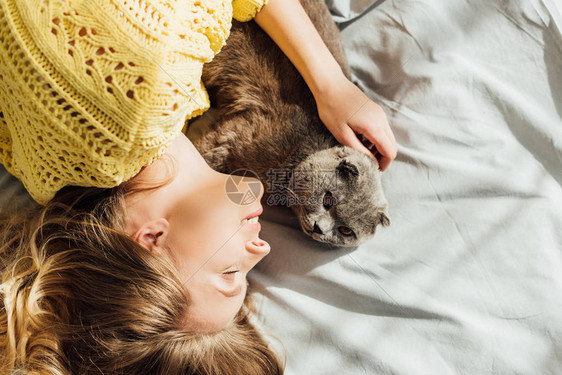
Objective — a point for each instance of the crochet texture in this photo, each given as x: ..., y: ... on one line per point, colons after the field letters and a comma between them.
x: 93, y: 90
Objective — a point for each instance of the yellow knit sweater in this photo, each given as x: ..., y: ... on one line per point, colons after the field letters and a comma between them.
x: 93, y: 90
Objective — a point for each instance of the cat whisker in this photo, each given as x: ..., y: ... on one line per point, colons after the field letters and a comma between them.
x: 301, y: 208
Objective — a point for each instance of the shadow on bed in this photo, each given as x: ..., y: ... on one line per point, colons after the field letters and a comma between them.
x: 539, y: 138
x: 294, y: 255
x: 552, y: 58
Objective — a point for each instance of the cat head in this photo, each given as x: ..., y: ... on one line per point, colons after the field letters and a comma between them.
x: 339, y: 196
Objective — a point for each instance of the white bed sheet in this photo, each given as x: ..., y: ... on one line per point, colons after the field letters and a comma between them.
x: 468, y: 277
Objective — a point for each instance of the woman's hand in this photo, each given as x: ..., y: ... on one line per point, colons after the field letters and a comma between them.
x: 343, y: 107
x: 347, y: 112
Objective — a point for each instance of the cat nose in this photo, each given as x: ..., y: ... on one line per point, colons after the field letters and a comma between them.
x: 316, y: 229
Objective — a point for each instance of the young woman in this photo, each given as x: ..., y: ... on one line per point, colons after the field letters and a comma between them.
x: 138, y: 275
x: 145, y: 278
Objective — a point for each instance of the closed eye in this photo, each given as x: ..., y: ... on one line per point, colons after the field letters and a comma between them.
x: 230, y: 275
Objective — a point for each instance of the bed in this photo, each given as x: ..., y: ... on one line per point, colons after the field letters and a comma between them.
x: 468, y: 277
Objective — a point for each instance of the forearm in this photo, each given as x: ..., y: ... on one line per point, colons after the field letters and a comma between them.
x: 286, y: 22
x: 342, y: 106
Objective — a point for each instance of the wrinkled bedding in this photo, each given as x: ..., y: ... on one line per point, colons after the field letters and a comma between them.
x: 468, y: 277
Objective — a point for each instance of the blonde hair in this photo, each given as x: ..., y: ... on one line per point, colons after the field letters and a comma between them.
x: 79, y: 296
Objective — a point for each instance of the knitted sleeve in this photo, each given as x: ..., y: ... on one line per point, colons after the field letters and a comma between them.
x: 92, y: 91
x: 245, y: 10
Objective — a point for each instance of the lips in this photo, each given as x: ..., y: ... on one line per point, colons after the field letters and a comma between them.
x: 251, y: 221
x: 254, y: 214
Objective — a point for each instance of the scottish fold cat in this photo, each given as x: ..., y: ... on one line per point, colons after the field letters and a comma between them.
x: 267, y: 122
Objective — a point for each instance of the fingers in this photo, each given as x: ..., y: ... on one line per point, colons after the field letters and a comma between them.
x: 386, y: 147
x: 349, y: 138
x: 384, y: 141
x: 393, y: 151
x: 384, y: 162
x: 368, y: 120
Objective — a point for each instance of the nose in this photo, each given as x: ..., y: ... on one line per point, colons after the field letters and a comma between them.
x: 316, y: 229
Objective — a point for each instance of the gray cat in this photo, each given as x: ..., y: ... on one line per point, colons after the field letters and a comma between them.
x: 268, y: 123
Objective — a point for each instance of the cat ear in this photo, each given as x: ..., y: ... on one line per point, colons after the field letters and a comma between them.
x: 384, y: 220
x: 347, y: 169
x: 342, y: 152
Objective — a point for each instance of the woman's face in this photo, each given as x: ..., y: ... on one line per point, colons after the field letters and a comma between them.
x: 194, y: 220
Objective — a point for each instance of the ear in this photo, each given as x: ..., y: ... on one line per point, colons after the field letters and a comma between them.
x: 347, y: 169
x: 385, y: 221
x: 152, y: 235
x: 342, y: 151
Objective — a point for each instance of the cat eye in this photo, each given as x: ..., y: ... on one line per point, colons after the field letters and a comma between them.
x: 346, y: 231
x: 329, y: 200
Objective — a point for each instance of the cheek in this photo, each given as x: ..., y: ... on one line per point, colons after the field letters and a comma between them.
x: 230, y: 254
x: 209, y: 229
x: 313, y: 202
x: 197, y: 245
